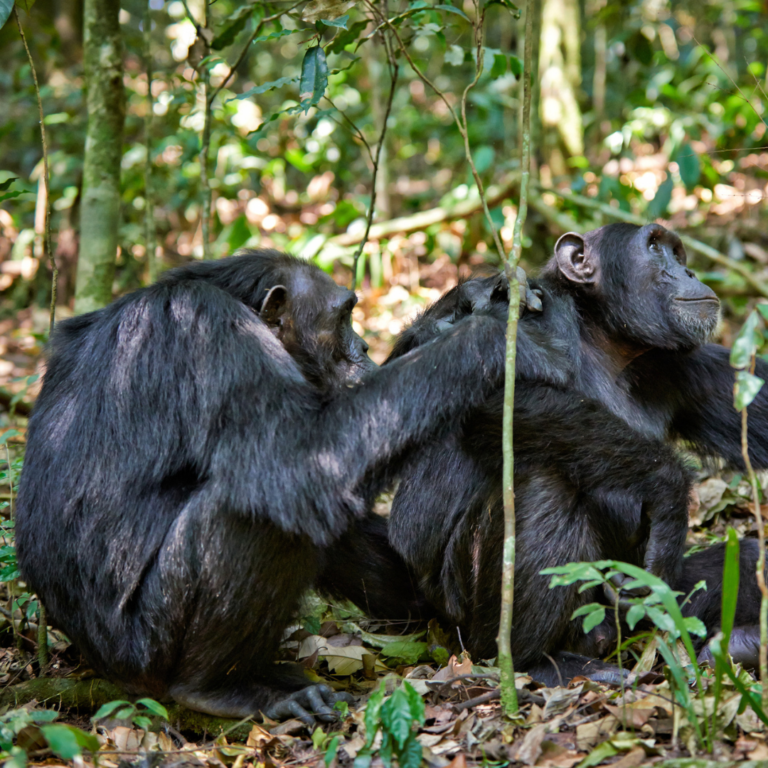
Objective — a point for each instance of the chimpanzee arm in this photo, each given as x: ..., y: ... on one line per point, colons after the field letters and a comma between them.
x: 597, y: 453
x: 693, y: 392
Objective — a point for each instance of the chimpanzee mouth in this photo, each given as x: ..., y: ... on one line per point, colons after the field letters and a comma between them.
x: 696, y: 300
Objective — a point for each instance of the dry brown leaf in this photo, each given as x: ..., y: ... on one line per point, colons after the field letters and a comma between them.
x: 760, y: 752
x: 258, y: 737
x: 528, y: 752
x: 126, y: 739
x: 635, y: 757
x: 458, y: 762
x: 589, y: 734
x: 633, y: 717
x: 557, y: 756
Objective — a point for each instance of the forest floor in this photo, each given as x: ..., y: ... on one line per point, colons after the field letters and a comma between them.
x: 582, y: 724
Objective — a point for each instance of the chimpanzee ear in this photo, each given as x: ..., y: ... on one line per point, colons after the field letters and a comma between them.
x: 574, y: 259
x: 275, y: 306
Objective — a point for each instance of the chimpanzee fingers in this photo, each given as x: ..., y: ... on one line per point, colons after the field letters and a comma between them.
x: 289, y: 707
x: 530, y: 298
x: 314, y: 698
x: 618, y: 585
x: 331, y: 697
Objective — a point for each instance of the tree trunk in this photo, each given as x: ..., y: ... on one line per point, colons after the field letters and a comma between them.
x: 100, y: 208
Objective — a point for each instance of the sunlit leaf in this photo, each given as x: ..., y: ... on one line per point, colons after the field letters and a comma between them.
x: 746, y: 390
x: 746, y: 342
x: 322, y: 10
x: 314, y: 77
x: 6, y: 6
x: 264, y: 87
x: 454, y: 56
x: 340, y: 23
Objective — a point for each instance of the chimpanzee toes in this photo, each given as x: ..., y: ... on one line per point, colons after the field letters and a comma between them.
x: 308, y: 704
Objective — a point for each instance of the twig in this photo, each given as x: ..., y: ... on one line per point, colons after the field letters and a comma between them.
x: 695, y: 245
x: 46, y: 178
x: 206, y: 140
x: 761, y: 559
x: 380, y: 144
x: 504, y: 640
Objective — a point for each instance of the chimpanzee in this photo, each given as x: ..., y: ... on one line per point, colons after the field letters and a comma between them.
x: 198, y: 458
x: 613, y: 370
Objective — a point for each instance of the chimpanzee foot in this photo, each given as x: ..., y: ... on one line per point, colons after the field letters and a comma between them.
x: 562, y: 667
x: 308, y: 703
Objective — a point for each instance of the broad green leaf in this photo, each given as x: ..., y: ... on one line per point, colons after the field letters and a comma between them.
x: 484, y: 157
x: 396, y: 717
x: 372, y: 711
x: 235, y: 25
x: 345, y: 38
x: 416, y: 703
x: 658, y: 205
x: 510, y: 6
x: 264, y: 87
x: 499, y: 65
x: 635, y: 614
x: 762, y: 308
x: 746, y: 390
x: 330, y: 753
x: 730, y: 585
x: 594, y: 618
x: 105, y: 710
x: 7, y: 435
x: 454, y: 56
x: 340, y: 23
x: 6, y: 6
x: 746, y: 342
x: 688, y: 163
x: 598, y: 754
x: 7, y: 183
x: 238, y: 236
x: 411, y: 755
x: 11, y: 195
x: 67, y: 741
x: 515, y: 65
x: 695, y: 626
x: 126, y: 712
x: 276, y: 35
x: 452, y: 9
x: 314, y: 77
x: 155, y: 707
x: 407, y: 652
x: 140, y: 721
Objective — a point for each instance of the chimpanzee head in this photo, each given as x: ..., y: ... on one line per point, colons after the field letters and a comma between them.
x: 301, y: 305
x: 634, y: 284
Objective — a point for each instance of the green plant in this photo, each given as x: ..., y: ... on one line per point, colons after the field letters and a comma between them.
x: 136, y: 713
x: 395, y: 717
x: 66, y: 741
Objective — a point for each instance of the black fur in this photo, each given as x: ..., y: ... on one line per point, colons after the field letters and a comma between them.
x: 196, y: 461
x: 609, y: 376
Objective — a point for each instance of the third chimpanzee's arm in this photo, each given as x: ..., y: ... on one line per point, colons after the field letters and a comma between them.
x: 693, y: 392
x: 597, y: 453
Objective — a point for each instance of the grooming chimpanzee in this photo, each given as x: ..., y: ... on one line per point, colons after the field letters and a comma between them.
x: 613, y: 370
x: 197, y: 460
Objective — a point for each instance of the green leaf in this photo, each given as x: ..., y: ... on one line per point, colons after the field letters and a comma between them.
x: 6, y: 6
x: 688, y: 163
x: 763, y: 310
x: 515, y: 65
x: 264, y: 87
x: 340, y: 23
x: 593, y: 619
x: 730, y: 585
x: 416, y: 703
x: 484, y: 157
x: 634, y: 614
x: 746, y: 390
x: 396, y: 716
x: 105, y: 710
x: 238, y: 237
x: 372, y: 712
x: 452, y: 9
x: 126, y: 712
x: 155, y: 707
x: 454, y: 56
x: 236, y: 23
x: 330, y: 753
x: 140, y: 721
x: 276, y: 35
x: 343, y: 39
x: 510, y: 6
x: 411, y: 755
x: 11, y: 195
x: 658, y: 205
x: 746, y: 342
x: 67, y: 741
x: 499, y: 65
x: 598, y: 754
x: 319, y: 10
x: 314, y: 77
x: 407, y: 652
x: 7, y: 435
x: 7, y: 183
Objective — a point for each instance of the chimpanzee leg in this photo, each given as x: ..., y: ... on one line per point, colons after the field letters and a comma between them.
x: 707, y: 565
x: 362, y: 567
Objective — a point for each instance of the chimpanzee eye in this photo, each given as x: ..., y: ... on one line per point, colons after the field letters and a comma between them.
x: 653, y: 245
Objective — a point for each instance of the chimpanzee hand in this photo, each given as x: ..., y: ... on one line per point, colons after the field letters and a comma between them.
x: 315, y: 700
x: 616, y: 589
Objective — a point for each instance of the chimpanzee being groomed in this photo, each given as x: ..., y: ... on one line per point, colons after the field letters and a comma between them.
x: 613, y: 370
x: 197, y: 459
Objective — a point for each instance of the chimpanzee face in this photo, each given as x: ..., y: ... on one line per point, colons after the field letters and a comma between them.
x: 635, y: 283
x: 312, y: 317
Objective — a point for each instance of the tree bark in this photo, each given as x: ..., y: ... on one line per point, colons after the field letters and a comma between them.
x: 100, y: 207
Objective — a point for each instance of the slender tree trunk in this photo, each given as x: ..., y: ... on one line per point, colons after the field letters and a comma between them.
x: 100, y: 207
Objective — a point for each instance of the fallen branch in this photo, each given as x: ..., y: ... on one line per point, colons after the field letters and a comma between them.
x: 423, y: 219
x: 695, y: 245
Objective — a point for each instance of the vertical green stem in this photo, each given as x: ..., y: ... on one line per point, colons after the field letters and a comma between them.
x: 205, y: 183
x: 761, y: 559
x: 504, y: 640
